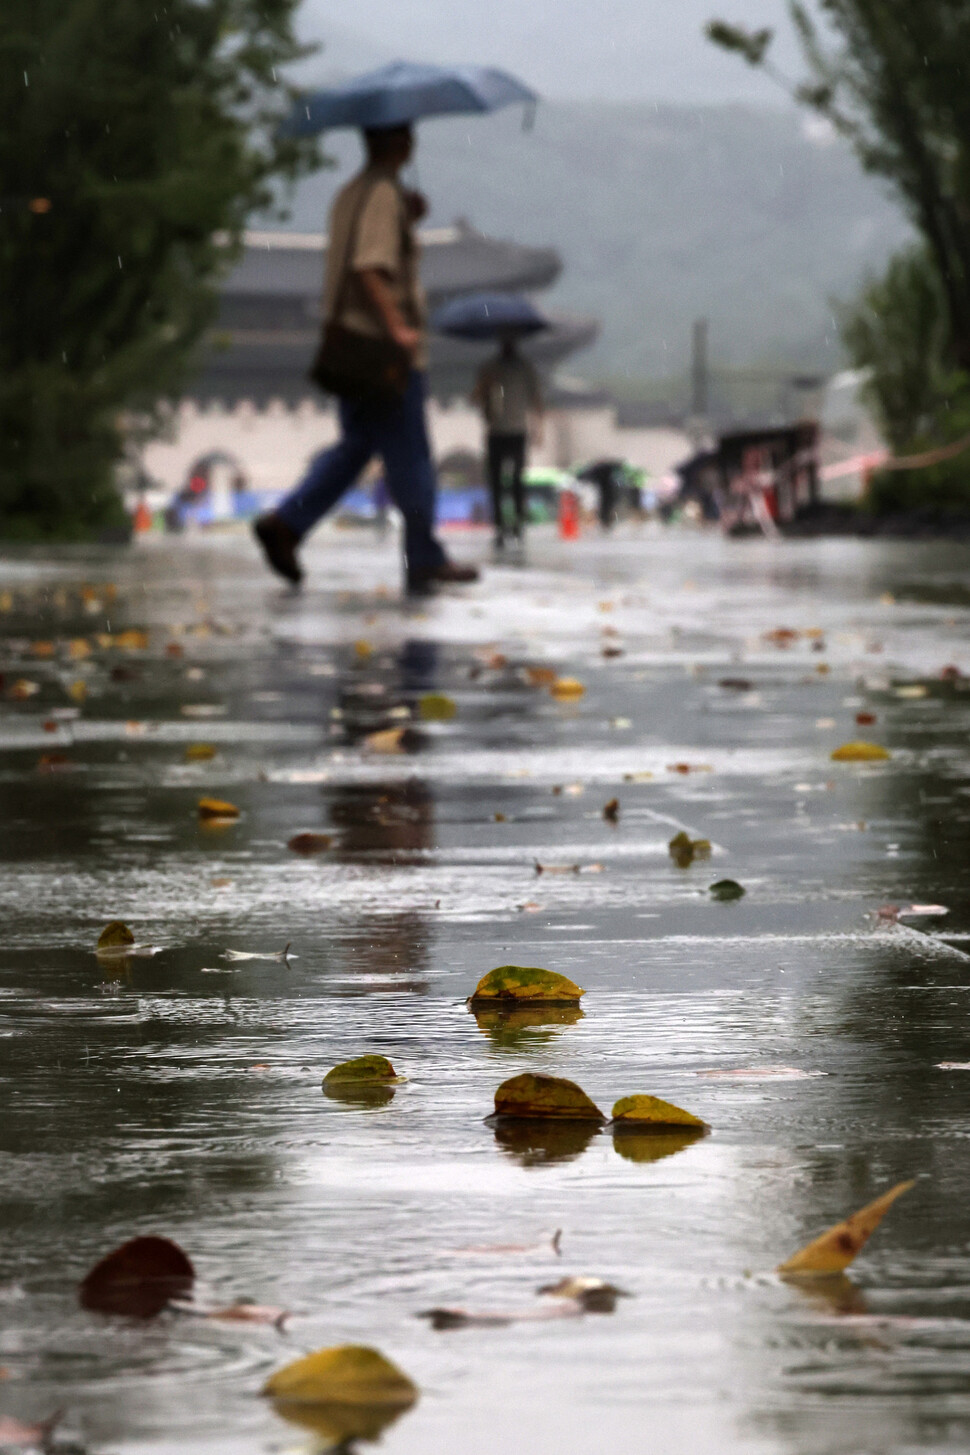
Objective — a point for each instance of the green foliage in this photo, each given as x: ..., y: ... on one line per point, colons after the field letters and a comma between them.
x: 897, y: 331
x: 136, y: 137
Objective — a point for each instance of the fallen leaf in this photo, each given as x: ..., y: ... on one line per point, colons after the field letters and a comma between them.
x: 641, y: 777
x: 250, y: 1313
x: 684, y: 850
x: 761, y: 1073
x: 138, y: 1279
x: 14, y: 1433
x: 199, y: 752
x: 50, y: 725
x: 49, y: 762
x: 865, y: 719
x: 539, y: 676
x: 611, y: 810
x: 310, y: 843
x: 638, y: 1112
x: 362, y: 1069
x: 131, y: 641
x: 436, y: 707
x: 174, y: 649
x: 690, y: 768
x: 388, y: 740
x: 42, y: 649
x: 725, y: 890
x: 217, y: 808
x: 516, y: 984
x: 567, y: 689
x: 77, y: 690
x: 499, y: 818
x: 349, y: 1374
x: 115, y: 936
x: 836, y: 1248
x: 781, y: 636
x: 860, y: 752
x: 23, y: 688
x: 535, y: 1095
x: 363, y: 649
x: 594, y: 1295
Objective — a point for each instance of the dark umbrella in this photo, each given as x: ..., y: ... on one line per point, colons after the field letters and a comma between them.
x: 404, y: 92
x: 488, y: 315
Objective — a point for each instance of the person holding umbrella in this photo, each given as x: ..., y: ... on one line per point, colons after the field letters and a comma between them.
x: 372, y: 356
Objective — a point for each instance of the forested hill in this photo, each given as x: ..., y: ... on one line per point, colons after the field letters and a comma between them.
x: 663, y: 213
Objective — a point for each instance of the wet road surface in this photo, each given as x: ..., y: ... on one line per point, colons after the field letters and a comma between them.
x: 178, y: 1092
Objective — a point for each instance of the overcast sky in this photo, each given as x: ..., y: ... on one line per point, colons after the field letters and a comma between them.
x: 588, y: 49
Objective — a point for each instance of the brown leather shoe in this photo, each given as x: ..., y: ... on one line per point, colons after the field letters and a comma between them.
x: 423, y: 579
x: 279, y: 545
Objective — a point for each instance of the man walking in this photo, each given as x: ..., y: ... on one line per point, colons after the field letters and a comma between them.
x: 507, y: 393
x: 373, y: 289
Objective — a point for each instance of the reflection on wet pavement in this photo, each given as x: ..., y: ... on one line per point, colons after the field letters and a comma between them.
x: 174, y: 1090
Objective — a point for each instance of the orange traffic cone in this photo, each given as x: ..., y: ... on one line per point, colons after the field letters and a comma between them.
x: 568, y: 516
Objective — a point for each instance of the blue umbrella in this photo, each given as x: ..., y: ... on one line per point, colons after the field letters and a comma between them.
x: 488, y: 315
x: 403, y: 92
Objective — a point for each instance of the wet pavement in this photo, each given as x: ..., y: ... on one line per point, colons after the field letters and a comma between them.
x: 179, y: 1092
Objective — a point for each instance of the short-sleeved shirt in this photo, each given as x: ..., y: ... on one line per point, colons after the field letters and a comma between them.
x: 369, y: 217
x: 507, y: 390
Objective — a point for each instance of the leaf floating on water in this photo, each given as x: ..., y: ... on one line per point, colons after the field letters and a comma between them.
x: 77, y: 691
x: 640, y: 1112
x: 217, y: 808
x: 363, y: 649
x: 436, y: 707
x: 535, y: 1095
x: 567, y: 689
x: 539, y: 676
x: 725, y: 890
x: 860, y: 752
x: 684, y: 850
x: 690, y: 768
x: 344, y: 1394
x: 281, y: 957
x: 761, y: 1073
x: 865, y: 719
x: 138, y: 1279
x: 836, y: 1248
x: 310, y: 843
x: 115, y: 936
x: 199, y: 752
x: 518, y: 984
x: 250, y: 1313
x: 363, y: 1069
x: 594, y: 1295
x: 393, y: 740
x: 611, y: 810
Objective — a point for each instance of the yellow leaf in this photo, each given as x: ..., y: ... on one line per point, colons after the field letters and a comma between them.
x: 363, y: 1068
x: 217, y: 808
x: 131, y: 641
x: 115, y: 936
x: 535, y: 1095
x: 348, y: 1374
x: 78, y: 648
x: 199, y: 752
x: 518, y: 983
x: 859, y: 752
x: 436, y: 707
x: 363, y: 648
x: 639, y: 1112
x: 77, y: 691
x: 835, y: 1249
x: 388, y: 740
x: 567, y: 689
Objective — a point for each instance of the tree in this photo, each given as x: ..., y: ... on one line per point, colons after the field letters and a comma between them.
x: 892, y: 78
x: 136, y: 137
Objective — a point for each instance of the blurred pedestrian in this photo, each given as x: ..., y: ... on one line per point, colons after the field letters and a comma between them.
x: 373, y: 296
x: 508, y: 394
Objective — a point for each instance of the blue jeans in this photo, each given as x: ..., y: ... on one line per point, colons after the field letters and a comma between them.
x: 398, y: 434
